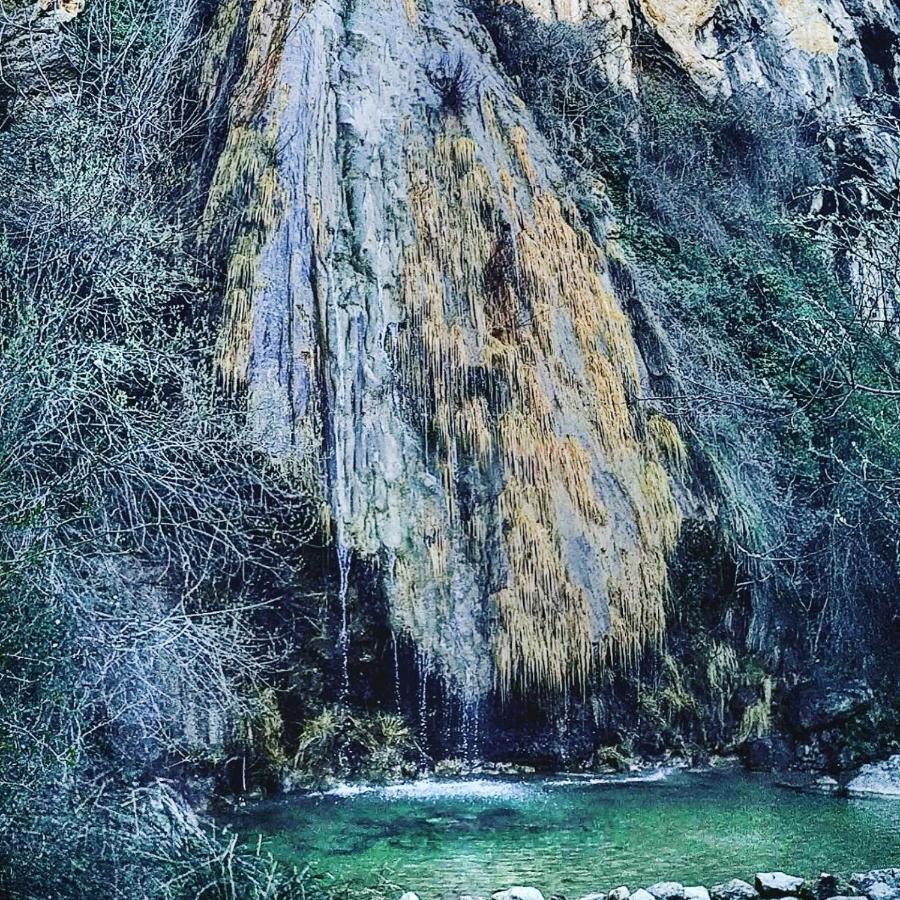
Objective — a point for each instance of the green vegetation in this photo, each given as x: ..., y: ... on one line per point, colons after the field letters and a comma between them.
x: 337, y: 744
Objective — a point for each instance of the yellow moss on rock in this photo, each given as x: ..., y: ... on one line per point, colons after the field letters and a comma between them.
x: 494, y: 281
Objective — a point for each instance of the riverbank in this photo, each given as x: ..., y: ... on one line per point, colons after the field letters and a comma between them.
x: 876, y: 884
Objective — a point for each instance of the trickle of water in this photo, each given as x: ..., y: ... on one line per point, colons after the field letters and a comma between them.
x: 470, y: 714
x: 423, y: 702
x: 397, y: 697
x: 343, y: 558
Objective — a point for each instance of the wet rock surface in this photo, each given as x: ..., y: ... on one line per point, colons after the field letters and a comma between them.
x: 812, y: 708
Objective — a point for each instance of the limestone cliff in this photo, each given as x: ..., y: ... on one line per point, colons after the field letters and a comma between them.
x: 411, y: 292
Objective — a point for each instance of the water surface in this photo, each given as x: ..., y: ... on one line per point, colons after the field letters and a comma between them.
x: 575, y: 834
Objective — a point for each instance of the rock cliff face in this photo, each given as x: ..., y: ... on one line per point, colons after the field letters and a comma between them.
x: 412, y: 300
x: 411, y: 292
x: 822, y: 56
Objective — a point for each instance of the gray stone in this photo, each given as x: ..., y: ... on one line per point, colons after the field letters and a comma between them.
x: 409, y: 895
x: 667, y: 890
x: 696, y: 893
x: 518, y: 893
x: 879, y: 779
x: 733, y: 890
x: 825, y: 784
x: 879, y: 884
x: 882, y: 891
x: 594, y: 896
x: 863, y: 881
x: 778, y: 884
x: 619, y: 893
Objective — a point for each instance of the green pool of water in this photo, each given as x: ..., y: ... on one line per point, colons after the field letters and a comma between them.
x: 573, y: 835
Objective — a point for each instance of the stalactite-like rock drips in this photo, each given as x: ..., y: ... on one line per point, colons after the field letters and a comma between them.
x: 408, y: 291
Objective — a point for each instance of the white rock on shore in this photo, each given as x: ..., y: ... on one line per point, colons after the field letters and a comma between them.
x: 880, y: 779
x: 777, y: 884
x: 641, y: 894
x: 696, y: 893
x: 518, y: 893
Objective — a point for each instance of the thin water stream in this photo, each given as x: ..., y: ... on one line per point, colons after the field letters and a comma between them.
x: 575, y: 834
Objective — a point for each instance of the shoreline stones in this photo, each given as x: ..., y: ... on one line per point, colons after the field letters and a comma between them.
x: 876, y: 884
x: 696, y: 893
x: 518, y: 893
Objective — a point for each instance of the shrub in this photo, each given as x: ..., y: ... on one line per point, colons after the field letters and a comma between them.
x: 340, y: 744
x: 452, y: 79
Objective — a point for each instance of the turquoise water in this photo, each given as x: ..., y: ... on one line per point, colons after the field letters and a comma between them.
x: 574, y: 834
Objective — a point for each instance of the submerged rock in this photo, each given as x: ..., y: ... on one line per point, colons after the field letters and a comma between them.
x: 667, y: 890
x: 734, y: 890
x: 409, y: 895
x: 880, y: 779
x: 778, y: 884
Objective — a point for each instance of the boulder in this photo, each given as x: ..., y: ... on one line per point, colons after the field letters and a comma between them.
x: 879, y: 884
x: 518, y: 893
x: 881, y: 890
x: 733, y: 890
x: 595, y: 896
x: 766, y: 754
x: 814, y: 708
x: 825, y: 784
x: 667, y: 890
x: 827, y: 886
x: 877, y: 779
x: 641, y: 894
x: 619, y: 893
x: 696, y: 893
x: 777, y: 884
x: 409, y: 895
